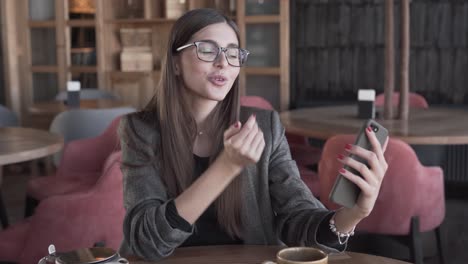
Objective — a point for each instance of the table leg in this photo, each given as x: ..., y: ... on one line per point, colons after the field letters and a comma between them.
x: 3, y: 213
x: 34, y: 167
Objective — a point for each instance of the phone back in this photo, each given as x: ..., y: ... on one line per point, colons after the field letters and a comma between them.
x: 345, y: 192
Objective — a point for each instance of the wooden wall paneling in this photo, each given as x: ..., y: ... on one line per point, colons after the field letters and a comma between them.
x: 334, y: 68
x: 418, y: 20
x: 446, y: 71
x: 444, y: 36
x: 460, y: 70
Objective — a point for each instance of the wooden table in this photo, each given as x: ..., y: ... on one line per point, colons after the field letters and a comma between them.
x: 18, y: 144
x: 254, y: 254
x: 42, y: 114
x: 55, y: 107
x: 433, y: 126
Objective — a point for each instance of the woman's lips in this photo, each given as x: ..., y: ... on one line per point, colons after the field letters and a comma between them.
x: 217, y: 80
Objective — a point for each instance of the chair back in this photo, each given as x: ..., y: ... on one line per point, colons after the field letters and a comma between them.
x: 79, y: 220
x: 408, y: 189
x: 84, y: 123
x: 255, y: 101
x: 7, y: 117
x: 97, y: 150
x: 88, y: 94
x: 415, y: 100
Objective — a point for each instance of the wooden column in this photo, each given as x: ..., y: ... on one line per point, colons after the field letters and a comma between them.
x: 242, y: 32
x: 284, y: 55
x: 389, y: 85
x: 10, y: 55
x: 404, y: 62
x: 63, y: 43
x: 101, y: 40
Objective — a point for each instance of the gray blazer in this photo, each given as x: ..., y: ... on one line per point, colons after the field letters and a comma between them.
x: 279, y: 206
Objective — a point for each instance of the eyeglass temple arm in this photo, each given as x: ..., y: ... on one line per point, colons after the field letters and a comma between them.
x: 185, y: 46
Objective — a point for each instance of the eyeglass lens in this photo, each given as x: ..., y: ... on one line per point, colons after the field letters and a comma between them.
x: 207, y: 51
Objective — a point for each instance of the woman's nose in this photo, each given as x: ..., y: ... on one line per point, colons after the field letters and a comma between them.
x: 221, y: 60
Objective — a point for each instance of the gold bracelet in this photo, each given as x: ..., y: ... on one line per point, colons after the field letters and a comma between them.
x: 342, y: 237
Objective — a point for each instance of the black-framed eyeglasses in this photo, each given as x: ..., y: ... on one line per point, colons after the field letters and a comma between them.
x: 209, y: 52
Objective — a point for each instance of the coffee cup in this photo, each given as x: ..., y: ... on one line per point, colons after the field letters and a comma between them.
x: 300, y: 255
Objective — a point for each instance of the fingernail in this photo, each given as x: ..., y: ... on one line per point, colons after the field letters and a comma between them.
x: 340, y: 156
x: 369, y: 129
x: 236, y: 125
x: 342, y: 170
x: 348, y: 147
x: 254, y: 116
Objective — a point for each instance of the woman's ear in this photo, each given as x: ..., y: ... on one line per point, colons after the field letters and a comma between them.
x: 176, y: 66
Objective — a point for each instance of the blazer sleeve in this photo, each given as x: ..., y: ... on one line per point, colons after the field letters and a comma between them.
x: 299, y: 215
x: 147, y: 232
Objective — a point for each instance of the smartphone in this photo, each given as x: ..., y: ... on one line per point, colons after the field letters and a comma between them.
x: 345, y: 192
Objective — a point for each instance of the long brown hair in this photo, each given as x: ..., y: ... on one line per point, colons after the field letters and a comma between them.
x: 178, y: 127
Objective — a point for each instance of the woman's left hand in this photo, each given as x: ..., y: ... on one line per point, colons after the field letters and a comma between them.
x: 372, y: 176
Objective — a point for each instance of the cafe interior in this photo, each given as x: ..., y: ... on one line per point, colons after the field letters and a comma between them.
x: 70, y: 69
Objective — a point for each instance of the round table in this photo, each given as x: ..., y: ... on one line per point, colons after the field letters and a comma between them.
x: 19, y: 144
x: 433, y: 126
x: 55, y: 107
x: 254, y: 254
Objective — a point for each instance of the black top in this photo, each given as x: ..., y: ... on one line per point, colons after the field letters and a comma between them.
x: 207, y: 230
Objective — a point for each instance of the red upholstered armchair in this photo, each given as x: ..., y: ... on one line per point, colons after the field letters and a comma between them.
x: 70, y: 221
x: 304, y: 154
x: 411, y: 198
x: 79, y: 169
x: 415, y: 100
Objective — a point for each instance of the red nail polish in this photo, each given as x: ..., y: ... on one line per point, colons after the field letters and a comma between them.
x: 348, y: 147
x: 342, y: 170
x: 369, y: 129
x: 340, y: 156
x: 237, y: 125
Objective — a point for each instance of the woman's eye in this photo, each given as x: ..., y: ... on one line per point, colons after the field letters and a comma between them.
x: 207, y: 51
x: 233, y: 55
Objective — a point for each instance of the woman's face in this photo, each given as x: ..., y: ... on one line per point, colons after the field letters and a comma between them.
x: 208, y: 80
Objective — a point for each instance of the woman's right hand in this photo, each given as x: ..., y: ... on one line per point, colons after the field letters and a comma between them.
x: 243, y: 145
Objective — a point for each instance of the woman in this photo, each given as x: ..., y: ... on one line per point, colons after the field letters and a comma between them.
x: 198, y: 173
